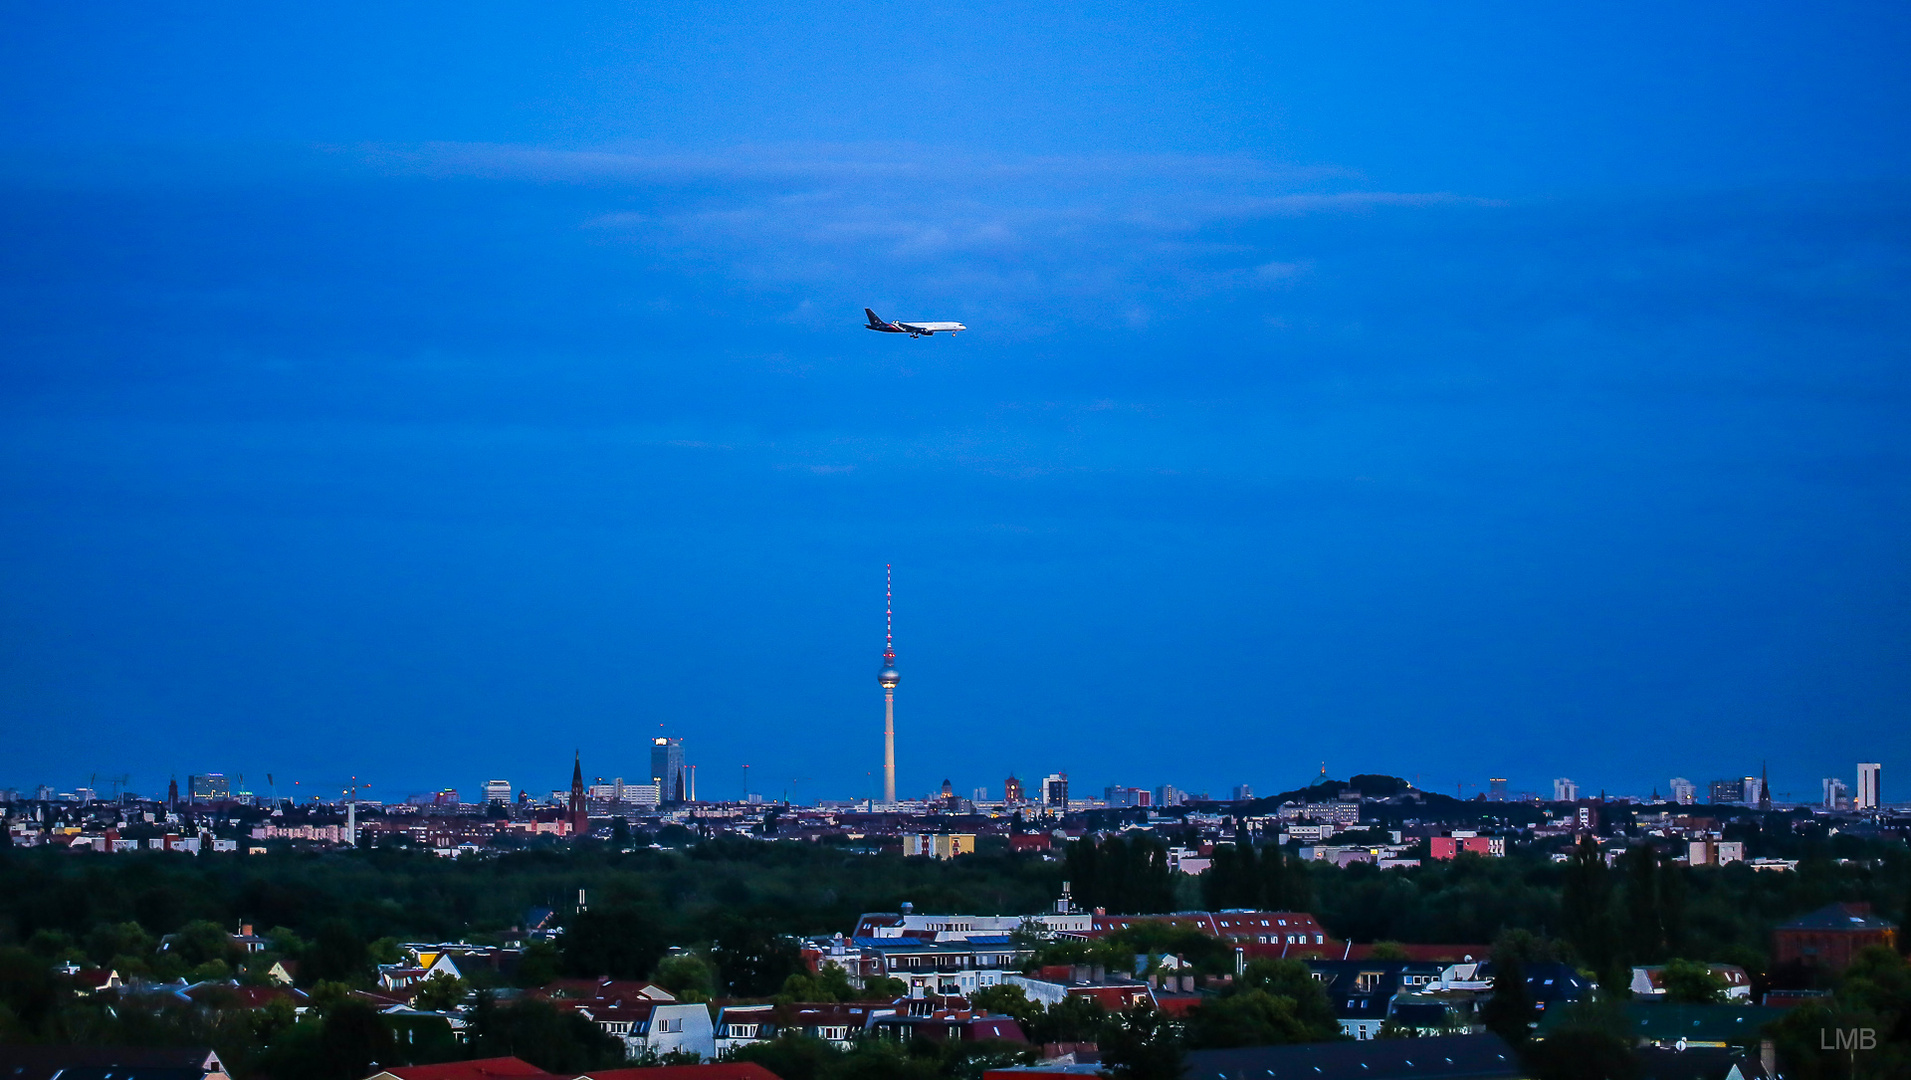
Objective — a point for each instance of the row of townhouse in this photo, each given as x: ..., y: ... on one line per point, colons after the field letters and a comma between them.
x: 940, y: 1019
x: 1430, y: 997
x: 644, y: 1016
x: 957, y: 955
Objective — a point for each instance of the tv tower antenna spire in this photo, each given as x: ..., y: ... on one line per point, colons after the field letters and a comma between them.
x: 887, y: 678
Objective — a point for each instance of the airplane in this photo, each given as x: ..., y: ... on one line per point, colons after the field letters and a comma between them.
x: 913, y: 329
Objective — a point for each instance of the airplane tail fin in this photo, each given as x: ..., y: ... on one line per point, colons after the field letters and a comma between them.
x: 874, y: 319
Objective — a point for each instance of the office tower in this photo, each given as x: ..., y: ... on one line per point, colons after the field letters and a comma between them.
x: 497, y: 791
x: 666, y: 769
x: 211, y: 787
x: 1751, y: 790
x: 1684, y: 792
x: 1835, y: 793
x: 1243, y: 793
x: 1726, y: 791
x: 1167, y: 795
x: 1565, y: 790
x: 1496, y: 789
x: 887, y: 678
x: 1055, y: 790
x: 1869, y: 774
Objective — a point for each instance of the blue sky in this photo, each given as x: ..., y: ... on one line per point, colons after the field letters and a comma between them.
x: 1452, y: 392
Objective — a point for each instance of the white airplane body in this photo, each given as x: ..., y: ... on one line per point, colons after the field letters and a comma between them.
x: 913, y: 329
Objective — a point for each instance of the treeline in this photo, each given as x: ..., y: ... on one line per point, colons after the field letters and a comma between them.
x: 798, y: 888
x: 1643, y: 910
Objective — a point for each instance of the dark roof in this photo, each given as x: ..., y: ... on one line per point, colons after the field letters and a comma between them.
x: 1838, y: 917
x: 1444, y: 1057
x: 1668, y: 1022
x: 1702, y: 1063
x: 131, y: 1072
x: 137, y: 1063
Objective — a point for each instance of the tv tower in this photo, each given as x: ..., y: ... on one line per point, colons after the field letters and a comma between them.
x: 888, y: 677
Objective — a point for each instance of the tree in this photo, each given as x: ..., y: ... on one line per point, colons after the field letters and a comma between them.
x: 555, y: 1041
x: 1693, y: 983
x: 829, y: 984
x: 538, y: 965
x: 1008, y: 1001
x: 791, y: 1056
x: 753, y: 959
x: 110, y: 940
x: 620, y: 942
x: 199, y: 942
x: 686, y: 975
x: 337, y: 954
x: 1387, y: 950
x: 1645, y: 907
x: 1509, y: 1013
x: 1586, y: 906
x: 1143, y: 1044
x: 440, y: 993
x: 1075, y: 1018
x: 1294, y: 980
x: 1254, y: 1018
x: 884, y: 988
x: 1127, y: 876
x: 353, y: 1037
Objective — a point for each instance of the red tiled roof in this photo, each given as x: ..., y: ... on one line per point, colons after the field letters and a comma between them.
x: 481, y: 1069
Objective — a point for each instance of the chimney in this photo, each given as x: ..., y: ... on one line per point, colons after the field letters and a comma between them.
x: 245, y: 929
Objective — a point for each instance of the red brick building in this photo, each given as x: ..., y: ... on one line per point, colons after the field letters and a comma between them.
x: 1831, y: 936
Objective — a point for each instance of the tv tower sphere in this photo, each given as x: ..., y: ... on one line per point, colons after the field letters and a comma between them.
x: 888, y: 677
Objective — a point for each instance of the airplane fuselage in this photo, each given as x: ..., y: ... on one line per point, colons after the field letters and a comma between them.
x: 913, y: 329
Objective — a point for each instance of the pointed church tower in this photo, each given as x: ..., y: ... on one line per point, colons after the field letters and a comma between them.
x: 580, y: 814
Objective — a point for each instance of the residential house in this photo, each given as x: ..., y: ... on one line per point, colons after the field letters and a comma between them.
x: 1648, y: 982
x: 949, y: 1025
x: 837, y: 1023
x: 644, y: 1015
x: 1362, y: 991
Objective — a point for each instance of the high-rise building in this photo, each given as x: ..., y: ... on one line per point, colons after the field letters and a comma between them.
x: 1243, y: 793
x: 1055, y: 791
x: 497, y: 791
x: 666, y: 769
x: 1868, y: 797
x: 887, y: 678
x: 1726, y: 791
x: 1496, y: 789
x: 1684, y: 792
x: 1835, y: 794
x: 1168, y: 795
x: 211, y: 787
x: 1751, y: 791
x: 1565, y: 790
